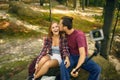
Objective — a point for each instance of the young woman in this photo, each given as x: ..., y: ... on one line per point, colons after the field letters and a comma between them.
x: 54, y: 50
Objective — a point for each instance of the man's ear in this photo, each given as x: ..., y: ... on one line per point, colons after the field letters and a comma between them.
x: 65, y: 27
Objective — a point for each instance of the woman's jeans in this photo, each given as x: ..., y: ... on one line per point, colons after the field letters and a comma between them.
x: 93, y: 68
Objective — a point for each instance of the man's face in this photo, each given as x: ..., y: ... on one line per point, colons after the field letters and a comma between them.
x: 61, y: 25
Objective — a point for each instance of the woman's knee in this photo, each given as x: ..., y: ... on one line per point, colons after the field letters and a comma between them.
x: 45, y: 58
x: 47, y: 63
x: 52, y: 63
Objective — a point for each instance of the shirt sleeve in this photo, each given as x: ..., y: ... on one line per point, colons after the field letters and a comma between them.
x: 44, y: 50
x: 65, y: 48
x: 81, y: 41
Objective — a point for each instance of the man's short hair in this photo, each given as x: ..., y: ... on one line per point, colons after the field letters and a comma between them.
x: 67, y: 21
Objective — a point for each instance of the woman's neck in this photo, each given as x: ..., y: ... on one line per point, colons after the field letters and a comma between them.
x: 56, y: 36
x: 55, y: 40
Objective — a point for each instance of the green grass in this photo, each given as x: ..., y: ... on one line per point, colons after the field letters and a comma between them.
x: 10, y: 69
x: 78, y: 23
x: 19, y: 35
x: 19, y: 76
x: 81, y: 24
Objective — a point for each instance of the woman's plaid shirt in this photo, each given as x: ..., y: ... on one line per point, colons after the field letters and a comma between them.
x: 47, y: 48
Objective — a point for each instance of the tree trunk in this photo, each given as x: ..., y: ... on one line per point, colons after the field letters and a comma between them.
x: 86, y: 3
x: 41, y: 2
x: 74, y: 4
x: 83, y: 4
x: 66, y: 3
x: 50, y: 15
x: 107, y: 26
x: 96, y: 3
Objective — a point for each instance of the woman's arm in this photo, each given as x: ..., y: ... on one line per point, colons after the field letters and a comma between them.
x: 66, y: 53
x: 44, y: 50
x: 65, y: 48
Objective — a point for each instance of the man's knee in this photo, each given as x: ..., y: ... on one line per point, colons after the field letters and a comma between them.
x: 97, y: 69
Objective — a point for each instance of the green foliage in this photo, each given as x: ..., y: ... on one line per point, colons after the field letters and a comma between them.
x: 78, y: 23
x: 82, y: 24
x: 98, y: 3
x: 98, y: 18
x: 118, y: 4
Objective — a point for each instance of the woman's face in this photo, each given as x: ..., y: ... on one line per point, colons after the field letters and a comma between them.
x: 55, y: 29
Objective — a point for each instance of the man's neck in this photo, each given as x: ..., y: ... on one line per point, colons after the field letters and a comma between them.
x: 69, y: 31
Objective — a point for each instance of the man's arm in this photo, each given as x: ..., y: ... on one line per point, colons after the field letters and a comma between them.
x: 80, y: 61
x: 81, y: 58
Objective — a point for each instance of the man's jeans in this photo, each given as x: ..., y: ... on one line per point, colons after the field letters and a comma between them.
x: 90, y: 66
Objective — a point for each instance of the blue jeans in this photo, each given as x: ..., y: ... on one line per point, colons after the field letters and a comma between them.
x: 93, y: 68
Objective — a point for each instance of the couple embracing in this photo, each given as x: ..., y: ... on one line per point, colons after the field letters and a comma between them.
x: 67, y: 50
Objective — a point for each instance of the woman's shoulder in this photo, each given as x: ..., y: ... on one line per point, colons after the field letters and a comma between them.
x: 46, y: 38
x: 63, y: 39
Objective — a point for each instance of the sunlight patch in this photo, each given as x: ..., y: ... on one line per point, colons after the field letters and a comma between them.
x: 48, y: 78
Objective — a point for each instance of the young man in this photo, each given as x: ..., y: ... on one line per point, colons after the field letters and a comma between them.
x: 78, y: 52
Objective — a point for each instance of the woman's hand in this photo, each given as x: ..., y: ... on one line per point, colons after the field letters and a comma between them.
x: 36, y: 69
x: 36, y: 66
x: 74, y: 74
x: 67, y: 62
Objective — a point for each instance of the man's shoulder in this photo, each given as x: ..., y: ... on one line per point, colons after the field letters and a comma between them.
x: 79, y: 32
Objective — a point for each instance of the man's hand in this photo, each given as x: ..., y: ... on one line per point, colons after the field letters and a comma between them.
x: 67, y: 62
x: 74, y: 74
